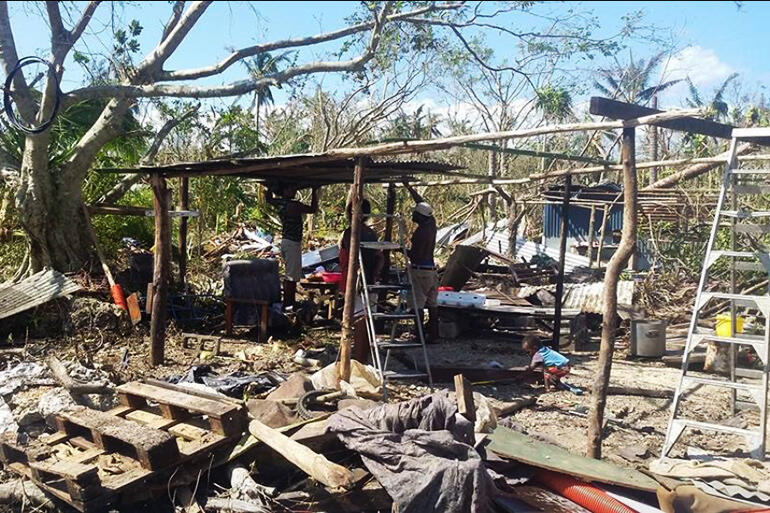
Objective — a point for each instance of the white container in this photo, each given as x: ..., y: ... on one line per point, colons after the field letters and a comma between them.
x: 461, y: 299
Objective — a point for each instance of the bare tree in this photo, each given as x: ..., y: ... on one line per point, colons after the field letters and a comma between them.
x: 48, y: 200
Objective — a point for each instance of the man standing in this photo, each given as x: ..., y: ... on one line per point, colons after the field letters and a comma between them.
x: 420, y: 252
x: 290, y: 212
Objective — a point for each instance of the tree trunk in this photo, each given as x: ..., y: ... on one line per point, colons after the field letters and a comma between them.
x: 50, y: 210
x: 612, y: 275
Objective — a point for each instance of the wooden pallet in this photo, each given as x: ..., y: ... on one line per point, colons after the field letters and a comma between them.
x: 96, y: 459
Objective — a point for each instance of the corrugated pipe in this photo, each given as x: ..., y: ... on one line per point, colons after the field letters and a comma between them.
x: 582, y: 493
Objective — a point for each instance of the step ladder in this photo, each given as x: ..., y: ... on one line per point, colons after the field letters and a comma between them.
x: 382, y: 346
x: 745, y: 253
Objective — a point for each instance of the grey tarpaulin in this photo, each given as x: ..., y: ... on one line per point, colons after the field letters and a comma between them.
x: 420, y: 452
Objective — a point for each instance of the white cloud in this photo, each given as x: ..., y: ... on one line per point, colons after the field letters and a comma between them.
x: 702, y: 65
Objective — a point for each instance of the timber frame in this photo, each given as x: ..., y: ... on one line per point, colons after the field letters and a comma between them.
x: 358, y: 166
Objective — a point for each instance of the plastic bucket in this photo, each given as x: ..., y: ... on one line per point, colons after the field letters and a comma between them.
x: 723, y: 325
x: 648, y: 338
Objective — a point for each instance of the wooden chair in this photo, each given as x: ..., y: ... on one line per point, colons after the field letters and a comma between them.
x: 264, y: 315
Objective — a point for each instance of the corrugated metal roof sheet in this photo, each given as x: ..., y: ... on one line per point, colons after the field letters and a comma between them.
x: 497, y: 240
x: 586, y: 297
x: 318, y: 168
x: 35, y: 290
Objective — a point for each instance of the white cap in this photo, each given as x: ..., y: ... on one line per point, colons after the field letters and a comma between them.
x: 424, y: 209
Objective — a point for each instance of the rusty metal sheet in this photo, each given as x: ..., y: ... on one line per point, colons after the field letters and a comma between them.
x: 34, y: 291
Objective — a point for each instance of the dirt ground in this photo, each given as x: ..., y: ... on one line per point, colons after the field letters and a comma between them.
x: 634, y: 433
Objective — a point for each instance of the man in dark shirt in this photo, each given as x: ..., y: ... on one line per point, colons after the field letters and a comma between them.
x: 290, y: 212
x: 420, y: 252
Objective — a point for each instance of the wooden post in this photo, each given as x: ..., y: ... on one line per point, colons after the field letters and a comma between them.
x: 562, y: 256
x: 390, y: 210
x: 184, y: 204
x: 591, y: 235
x: 653, y: 131
x: 615, y: 266
x: 356, y: 195
x: 602, y: 234
x: 161, y: 270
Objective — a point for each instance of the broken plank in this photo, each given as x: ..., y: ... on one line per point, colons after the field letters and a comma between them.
x: 510, y: 444
x: 153, y: 448
x: 464, y: 394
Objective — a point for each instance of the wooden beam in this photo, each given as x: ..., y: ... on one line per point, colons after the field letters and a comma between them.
x: 534, y: 153
x: 614, y: 109
x: 162, y: 264
x: 616, y: 265
x: 562, y: 256
x: 407, y: 147
x: 313, y: 464
x: 127, y: 210
x: 346, y: 340
x: 390, y: 210
x: 184, y: 204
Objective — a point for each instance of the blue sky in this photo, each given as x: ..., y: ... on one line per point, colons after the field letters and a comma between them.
x: 716, y: 38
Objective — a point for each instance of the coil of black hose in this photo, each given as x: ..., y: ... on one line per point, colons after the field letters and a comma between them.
x: 7, y: 96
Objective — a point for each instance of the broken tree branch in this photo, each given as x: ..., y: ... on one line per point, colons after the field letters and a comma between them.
x: 128, y: 181
x: 74, y: 387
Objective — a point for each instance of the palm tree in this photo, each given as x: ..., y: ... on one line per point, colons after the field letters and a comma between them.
x: 631, y: 82
x: 261, y: 65
x: 554, y: 102
x: 717, y: 107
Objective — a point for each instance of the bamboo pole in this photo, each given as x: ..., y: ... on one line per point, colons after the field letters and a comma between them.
x: 356, y: 196
x: 160, y: 270
x: 612, y: 275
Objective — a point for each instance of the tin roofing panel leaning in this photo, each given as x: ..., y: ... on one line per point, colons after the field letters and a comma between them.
x: 34, y: 291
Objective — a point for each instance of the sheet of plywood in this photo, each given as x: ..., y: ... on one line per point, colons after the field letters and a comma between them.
x: 519, y: 447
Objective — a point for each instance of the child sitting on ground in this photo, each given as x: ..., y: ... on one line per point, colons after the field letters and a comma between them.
x: 553, y: 364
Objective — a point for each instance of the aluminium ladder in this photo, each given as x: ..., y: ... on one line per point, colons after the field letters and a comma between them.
x: 381, y: 345
x: 742, y: 227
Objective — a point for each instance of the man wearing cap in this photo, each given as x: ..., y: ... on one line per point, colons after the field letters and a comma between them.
x: 290, y: 212
x: 420, y: 252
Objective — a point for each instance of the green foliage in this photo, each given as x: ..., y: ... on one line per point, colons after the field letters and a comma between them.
x: 112, y: 229
x: 554, y: 102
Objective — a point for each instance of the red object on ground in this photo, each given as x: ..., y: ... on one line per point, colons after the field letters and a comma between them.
x: 118, y: 297
x: 446, y: 289
x: 582, y: 493
x: 331, y: 277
